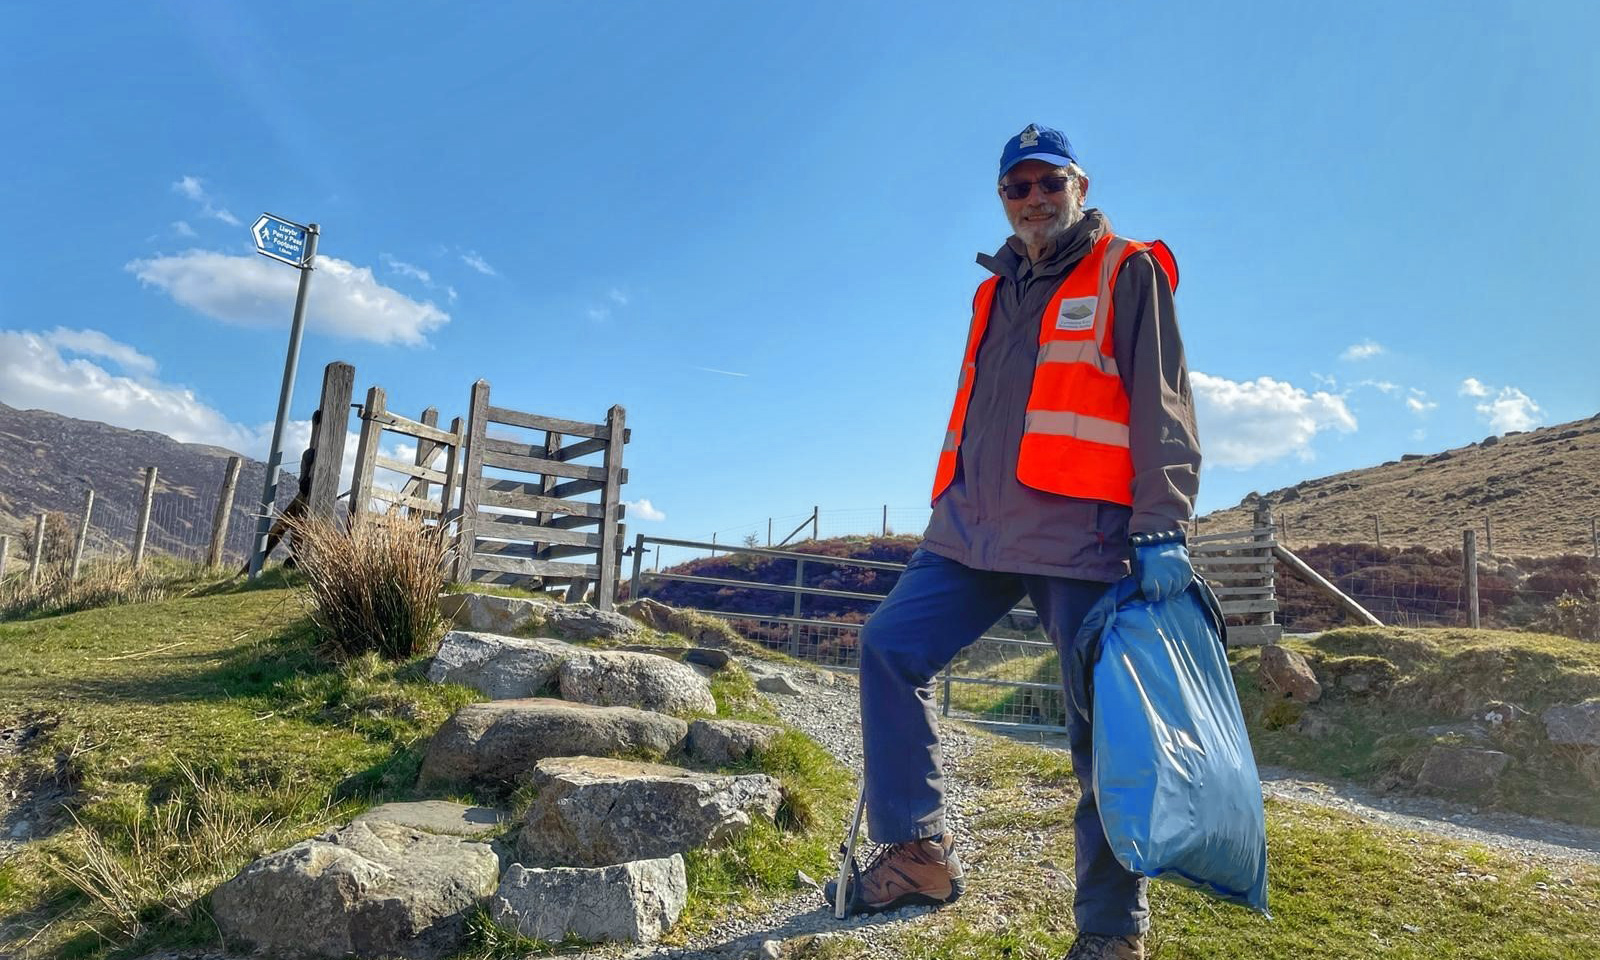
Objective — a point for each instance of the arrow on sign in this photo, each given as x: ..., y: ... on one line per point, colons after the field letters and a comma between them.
x: 280, y: 239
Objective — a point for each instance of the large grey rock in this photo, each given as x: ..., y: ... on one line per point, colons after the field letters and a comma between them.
x: 501, y: 668
x: 579, y: 621
x: 591, y: 811
x: 1287, y: 672
x: 705, y: 656
x: 494, y: 744
x: 640, y: 680
x: 636, y: 901
x: 1577, y: 724
x: 696, y: 627
x: 492, y: 614
x: 439, y: 817
x: 721, y: 742
x: 1457, y: 769
x: 370, y: 889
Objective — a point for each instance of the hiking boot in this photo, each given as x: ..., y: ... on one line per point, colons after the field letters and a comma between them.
x: 903, y: 875
x: 1095, y: 946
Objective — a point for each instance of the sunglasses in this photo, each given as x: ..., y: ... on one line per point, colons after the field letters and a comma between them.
x: 1021, y: 189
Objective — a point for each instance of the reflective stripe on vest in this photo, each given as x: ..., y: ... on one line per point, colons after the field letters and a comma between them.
x: 1075, y: 435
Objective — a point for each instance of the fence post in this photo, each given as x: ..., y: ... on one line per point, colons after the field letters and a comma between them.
x: 885, y: 520
x: 5, y: 547
x: 1263, y: 519
x: 794, y: 628
x: 611, y: 507
x: 1469, y: 571
x: 637, y: 580
x: 1488, y: 535
x: 219, y: 520
x: 338, y: 381
x: 815, y: 512
x: 713, y: 544
x: 424, y: 455
x: 769, y: 531
x: 367, y: 453
x: 142, y: 531
x: 83, y: 532
x: 471, y: 478
x: 38, y: 551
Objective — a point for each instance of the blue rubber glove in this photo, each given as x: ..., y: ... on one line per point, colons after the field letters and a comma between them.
x: 1163, y: 570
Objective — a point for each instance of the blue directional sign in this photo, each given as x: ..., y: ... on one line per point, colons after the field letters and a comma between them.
x: 280, y: 239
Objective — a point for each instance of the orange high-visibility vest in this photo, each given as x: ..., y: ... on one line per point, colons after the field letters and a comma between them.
x: 1075, y: 437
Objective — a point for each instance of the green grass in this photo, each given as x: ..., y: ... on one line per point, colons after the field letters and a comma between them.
x: 1441, y: 677
x: 184, y: 721
x: 1338, y: 888
x: 206, y: 730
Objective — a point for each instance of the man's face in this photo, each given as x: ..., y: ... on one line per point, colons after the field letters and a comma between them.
x: 1041, y: 217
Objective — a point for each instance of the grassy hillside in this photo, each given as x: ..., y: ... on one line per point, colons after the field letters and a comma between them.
x: 1537, y: 488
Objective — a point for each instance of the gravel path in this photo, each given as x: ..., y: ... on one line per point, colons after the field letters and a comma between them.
x: 829, y: 712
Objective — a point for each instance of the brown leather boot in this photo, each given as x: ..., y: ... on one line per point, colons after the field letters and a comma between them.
x: 1095, y: 946
x: 903, y: 875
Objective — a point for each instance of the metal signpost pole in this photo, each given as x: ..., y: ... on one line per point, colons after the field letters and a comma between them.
x: 282, y: 240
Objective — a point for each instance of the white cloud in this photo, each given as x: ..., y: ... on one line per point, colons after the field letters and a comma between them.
x: 406, y: 269
x: 194, y: 189
x: 182, y: 228
x: 34, y: 372
x: 643, y: 510
x: 1382, y: 386
x: 1255, y: 421
x: 1325, y: 381
x: 1473, y: 387
x: 599, y: 314
x: 617, y: 297
x: 346, y: 300
x: 476, y: 262
x: 1511, y: 409
x: 450, y: 292
x: 1418, y: 402
x: 725, y: 373
x: 1365, y: 350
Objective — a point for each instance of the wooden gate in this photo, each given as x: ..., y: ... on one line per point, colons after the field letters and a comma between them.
x: 1239, y: 566
x: 532, y: 520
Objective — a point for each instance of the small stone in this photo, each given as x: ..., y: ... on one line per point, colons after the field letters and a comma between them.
x: 778, y: 683
x: 804, y: 879
x: 769, y: 950
x: 1288, y: 673
x: 1410, y: 928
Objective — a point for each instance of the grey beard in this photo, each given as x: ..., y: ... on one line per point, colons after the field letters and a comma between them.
x: 1070, y: 212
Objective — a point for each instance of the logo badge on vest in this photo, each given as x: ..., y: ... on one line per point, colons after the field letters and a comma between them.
x: 1030, y: 137
x: 1077, y: 313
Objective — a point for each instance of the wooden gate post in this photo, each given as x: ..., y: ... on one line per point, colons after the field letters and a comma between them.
x: 224, y: 512
x: 38, y: 551
x: 83, y: 532
x: 328, y: 438
x: 5, y: 547
x: 1263, y: 524
x: 611, y: 512
x: 142, y: 531
x: 1469, y: 572
x: 472, y: 479
x: 366, y: 453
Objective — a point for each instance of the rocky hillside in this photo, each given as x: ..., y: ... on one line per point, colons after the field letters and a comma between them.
x: 47, y: 459
x: 1538, y: 490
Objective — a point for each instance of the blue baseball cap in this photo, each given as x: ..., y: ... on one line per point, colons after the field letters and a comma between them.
x: 1037, y: 143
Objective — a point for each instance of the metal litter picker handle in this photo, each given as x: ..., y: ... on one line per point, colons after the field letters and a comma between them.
x: 847, y: 859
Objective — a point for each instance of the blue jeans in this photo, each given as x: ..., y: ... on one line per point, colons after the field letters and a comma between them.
x: 938, y: 608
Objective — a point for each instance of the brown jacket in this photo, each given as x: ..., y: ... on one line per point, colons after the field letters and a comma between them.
x: 989, y: 521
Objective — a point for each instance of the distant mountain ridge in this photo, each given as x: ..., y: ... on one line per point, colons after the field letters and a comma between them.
x: 1538, y: 489
x: 46, y: 460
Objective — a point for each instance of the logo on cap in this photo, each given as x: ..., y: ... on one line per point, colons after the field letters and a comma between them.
x: 1030, y: 137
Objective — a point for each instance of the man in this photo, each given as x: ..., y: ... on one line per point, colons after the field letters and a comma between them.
x: 1071, y: 453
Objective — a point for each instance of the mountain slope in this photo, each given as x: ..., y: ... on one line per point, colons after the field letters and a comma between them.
x: 47, y: 459
x: 1539, y: 491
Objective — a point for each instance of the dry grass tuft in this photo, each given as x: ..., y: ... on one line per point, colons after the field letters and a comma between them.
x: 375, y: 586
x: 98, y: 585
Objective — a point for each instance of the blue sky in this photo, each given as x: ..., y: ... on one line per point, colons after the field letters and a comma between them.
x: 754, y: 226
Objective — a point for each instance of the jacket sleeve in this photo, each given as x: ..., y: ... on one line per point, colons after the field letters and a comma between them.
x: 1162, y: 436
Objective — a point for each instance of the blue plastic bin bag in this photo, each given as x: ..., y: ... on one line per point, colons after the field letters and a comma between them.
x: 1174, y: 777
